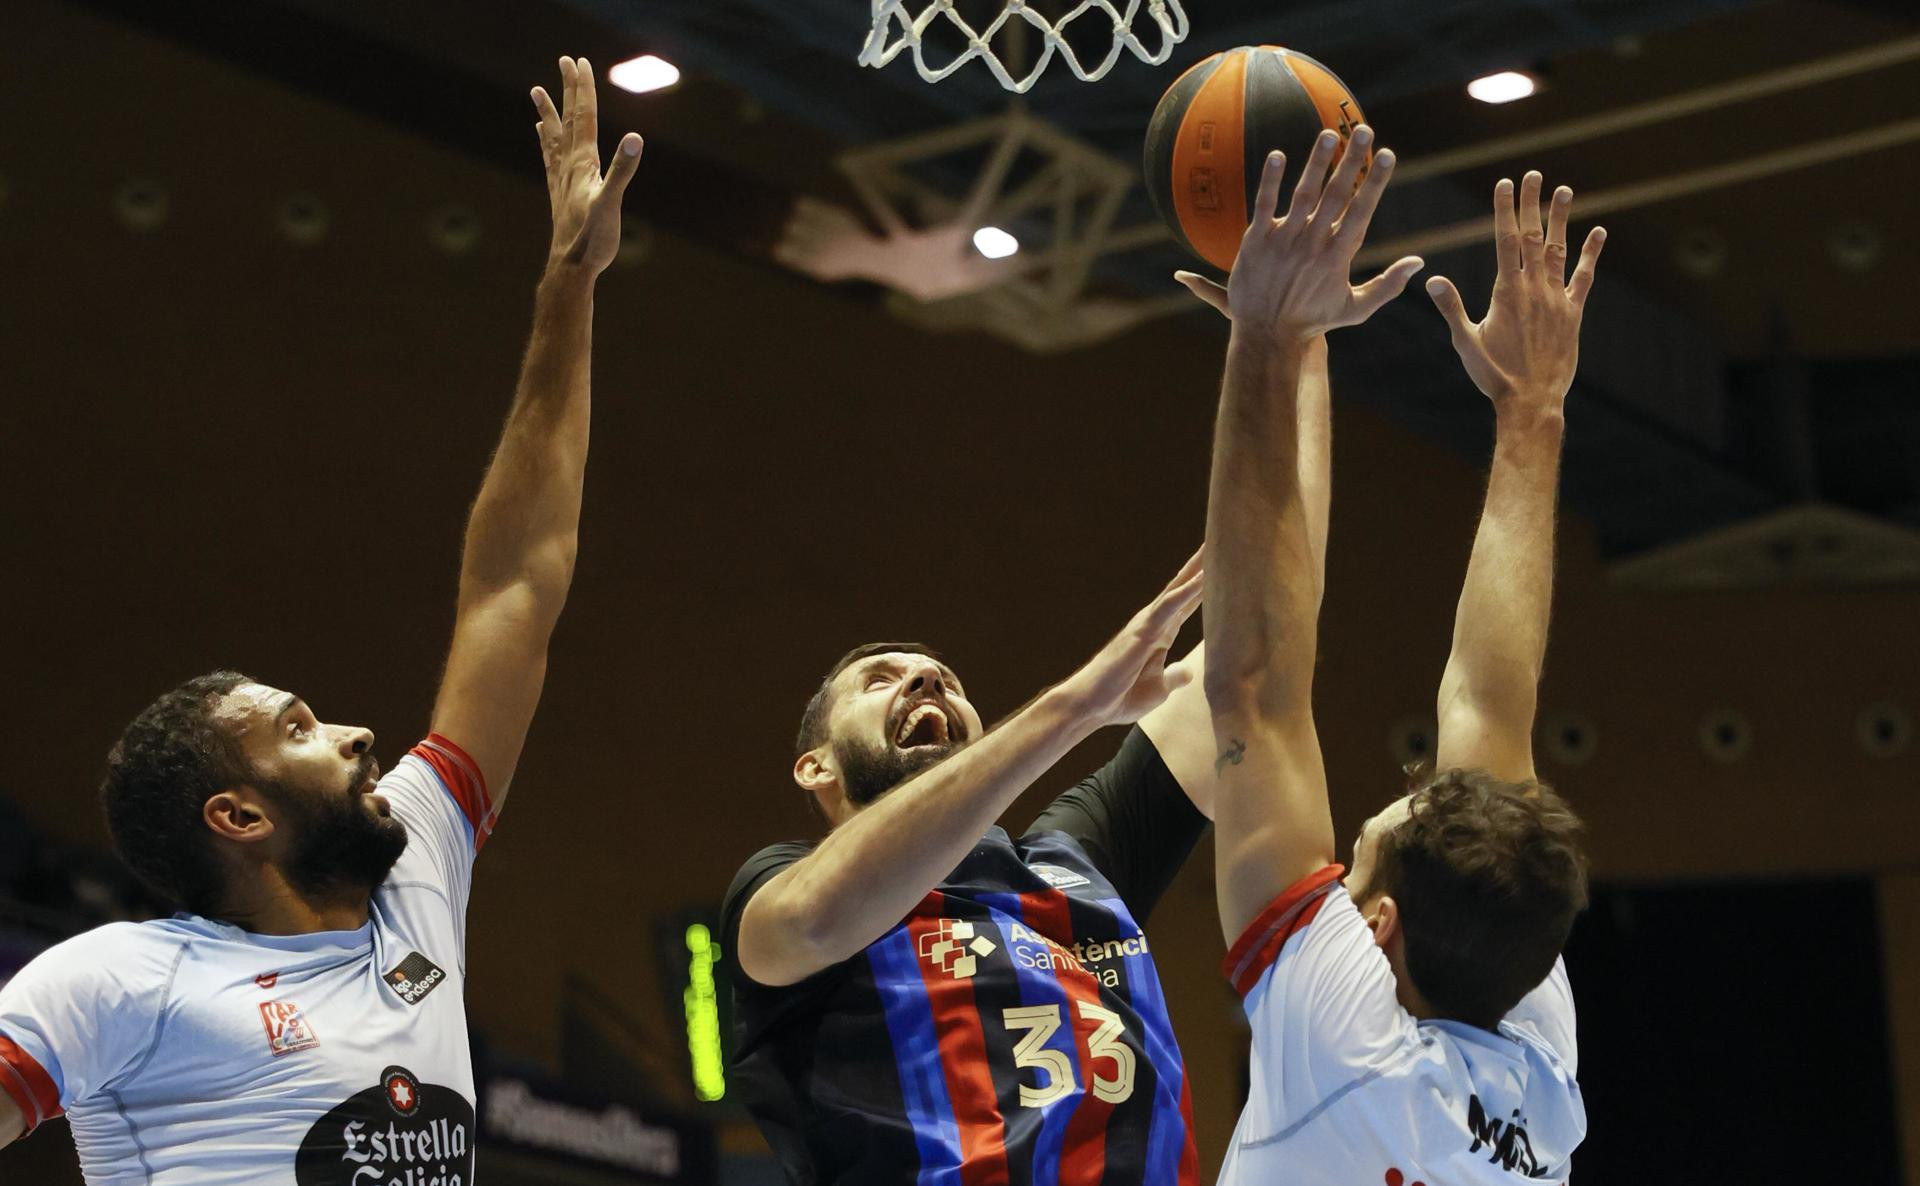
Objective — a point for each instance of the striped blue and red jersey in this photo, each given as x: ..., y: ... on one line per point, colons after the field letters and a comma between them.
x: 1011, y: 1030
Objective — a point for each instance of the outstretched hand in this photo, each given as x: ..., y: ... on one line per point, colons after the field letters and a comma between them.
x: 1292, y: 273
x: 1129, y: 677
x: 586, y: 204
x: 1528, y: 345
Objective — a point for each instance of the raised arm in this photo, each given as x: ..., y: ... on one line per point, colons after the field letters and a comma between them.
x: 523, y: 531
x: 1522, y: 356
x: 873, y: 869
x: 1182, y: 728
x: 1289, y: 284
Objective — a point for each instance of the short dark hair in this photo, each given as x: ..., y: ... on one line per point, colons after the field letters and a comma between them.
x: 813, y: 722
x: 1488, y: 876
x: 168, y: 762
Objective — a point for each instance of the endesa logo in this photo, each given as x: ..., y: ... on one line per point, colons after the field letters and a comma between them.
x: 415, y: 978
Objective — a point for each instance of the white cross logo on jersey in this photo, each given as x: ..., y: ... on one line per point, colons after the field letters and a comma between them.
x: 955, y: 949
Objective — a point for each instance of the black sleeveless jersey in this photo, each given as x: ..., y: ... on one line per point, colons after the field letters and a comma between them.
x: 1010, y: 1030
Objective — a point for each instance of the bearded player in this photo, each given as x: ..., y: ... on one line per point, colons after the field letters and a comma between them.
x: 921, y: 996
x: 1415, y: 1023
x: 303, y: 1022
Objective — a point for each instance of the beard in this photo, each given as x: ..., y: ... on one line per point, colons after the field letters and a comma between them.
x: 868, y: 771
x: 342, y: 846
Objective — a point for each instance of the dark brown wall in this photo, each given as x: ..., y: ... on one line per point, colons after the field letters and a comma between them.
x: 223, y: 449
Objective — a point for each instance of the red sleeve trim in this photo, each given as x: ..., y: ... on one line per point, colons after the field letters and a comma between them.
x: 464, y: 782
x: 1256, y: 949
x: 29, y: 1084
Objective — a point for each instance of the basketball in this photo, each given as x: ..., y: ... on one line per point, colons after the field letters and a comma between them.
x: 1216, y: 124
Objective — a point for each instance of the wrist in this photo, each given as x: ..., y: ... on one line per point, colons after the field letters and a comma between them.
x: 564, y: 278
x: 1272, y: 342
x: 1071, y: 707
x: 1521, y: 414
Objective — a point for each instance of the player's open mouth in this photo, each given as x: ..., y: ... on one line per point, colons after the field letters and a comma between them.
x: 925, y: 724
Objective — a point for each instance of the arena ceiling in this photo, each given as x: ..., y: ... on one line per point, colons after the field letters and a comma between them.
x: 1753, y: 351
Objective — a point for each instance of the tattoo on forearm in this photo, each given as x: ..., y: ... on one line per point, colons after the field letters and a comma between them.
x: 1230, y: 756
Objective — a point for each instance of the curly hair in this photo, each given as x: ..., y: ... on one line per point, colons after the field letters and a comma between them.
x: 1488, y: 876
x: 168, y: 762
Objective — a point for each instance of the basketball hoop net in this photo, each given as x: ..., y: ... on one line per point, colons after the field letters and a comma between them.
x: 896, y: 16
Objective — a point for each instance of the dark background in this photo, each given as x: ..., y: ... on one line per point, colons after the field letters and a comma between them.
x: 222, y: 447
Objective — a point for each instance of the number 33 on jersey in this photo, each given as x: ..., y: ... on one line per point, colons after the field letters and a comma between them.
x: 1029, y: 1029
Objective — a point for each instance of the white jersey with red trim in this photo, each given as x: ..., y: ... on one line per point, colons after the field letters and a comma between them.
x: 1349, y: 1089
x: 191, y: 1051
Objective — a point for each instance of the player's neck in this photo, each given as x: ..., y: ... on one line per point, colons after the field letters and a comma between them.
x: 274, y: 906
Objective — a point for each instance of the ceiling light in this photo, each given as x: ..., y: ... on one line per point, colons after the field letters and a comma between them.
x: 994, y: 243
x: 1503, y: 87
x: 644, y: 73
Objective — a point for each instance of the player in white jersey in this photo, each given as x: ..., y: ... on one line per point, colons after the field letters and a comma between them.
x: 302, y: 1023
x: 1413, y: 1025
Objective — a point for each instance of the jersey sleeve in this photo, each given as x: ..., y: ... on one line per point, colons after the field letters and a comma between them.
x: 1133, y: 820
x: 1319, y: 996
x: 759, y: 869
x: 80, y: 1015
x: 440, y: 795
x: 1548, y: 1012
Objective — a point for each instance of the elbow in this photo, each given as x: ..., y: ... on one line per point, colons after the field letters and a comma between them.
x: 1491, y: 687
x: 550, y: 568
x: 810, y: 924
x: 535, y: 585
x: 1250, y: 682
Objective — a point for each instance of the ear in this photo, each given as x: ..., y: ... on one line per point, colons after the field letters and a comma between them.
x: 814, y: 770
x: 1383, y: 918
x: 236, y: 815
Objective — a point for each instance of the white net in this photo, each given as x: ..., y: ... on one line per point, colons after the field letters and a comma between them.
x: 897, y: 27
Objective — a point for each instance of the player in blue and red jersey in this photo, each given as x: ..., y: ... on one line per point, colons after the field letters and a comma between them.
x: 922, y: 997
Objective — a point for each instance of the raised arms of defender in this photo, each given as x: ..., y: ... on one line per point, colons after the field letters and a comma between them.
x: 1288, y: 285
x: 523, y: 532
x: 1522, y: 356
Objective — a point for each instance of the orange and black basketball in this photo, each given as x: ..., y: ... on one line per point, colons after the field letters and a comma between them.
x: 1214, y: 128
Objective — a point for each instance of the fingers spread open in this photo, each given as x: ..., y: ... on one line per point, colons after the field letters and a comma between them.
x: 1446, y: 298
x: 1368, y: 297
x: 1533, y: 237
x: 1213, y: 294
x: 1175, y: 606
x: 1340, y: 192
x: 586, y: 120
x: 1354, y: 223
x: 543, y: 103
x: 1557, y: 233
x: 1313, y: 178
x: 1266, y: 203
x: 626, y: 162
x: 1194, y: 566
x: 1583, y: 271
x: 548, y: 127
x: 1506, y: 227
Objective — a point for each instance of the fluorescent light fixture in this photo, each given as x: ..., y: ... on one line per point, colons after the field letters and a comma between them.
x: 644, y: 73
x: 994, y: 243
x: 1503, y: 87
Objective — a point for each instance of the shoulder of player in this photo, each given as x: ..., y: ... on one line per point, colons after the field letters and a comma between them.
x: 135, y: 955
x: 774, y: 856
x: 759, y: 867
